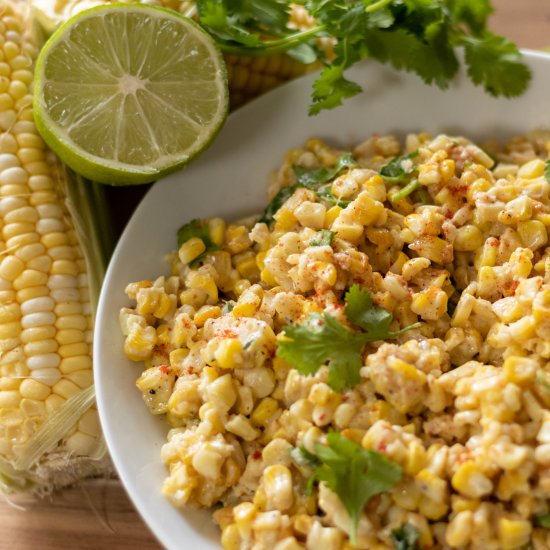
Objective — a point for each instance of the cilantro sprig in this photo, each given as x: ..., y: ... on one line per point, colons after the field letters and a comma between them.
x: 315, y: 179
x: 197, y: 228
x: 322, y: 340
x: 405, y: 537
x: 412, y: 35
x: 547, y: 170
x: 353, y: 473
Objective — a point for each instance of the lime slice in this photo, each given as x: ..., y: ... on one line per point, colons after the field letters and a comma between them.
x: 126, y: 93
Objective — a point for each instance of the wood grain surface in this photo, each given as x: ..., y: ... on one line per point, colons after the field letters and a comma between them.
x: 98, y: 515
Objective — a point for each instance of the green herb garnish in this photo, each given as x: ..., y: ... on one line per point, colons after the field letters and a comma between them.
x: 412, y: 35
x: 399, y: 168
x: 374, y: 320
x: 310, y: 178
x: 276, y: 202
x: 353, y: 473
x: 406, y: 191
x: 197, y: 228
x: 547, y: 170
x: 319, y: 340
x: 405, y: 537
x: 543, y: 521
x: 323, y: 238
x: 322, y: 339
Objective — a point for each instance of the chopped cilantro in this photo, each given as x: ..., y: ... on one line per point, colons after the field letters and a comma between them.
x: 321, y: 339
x: 310, y: 178
x: 547, y: 170
x: 276, y: 202
x: 543, y: 521
x: 197, y: 228
x: 399, y: 169
x: 323, y: 238
x: 353, y: 473
x: 406, y: 537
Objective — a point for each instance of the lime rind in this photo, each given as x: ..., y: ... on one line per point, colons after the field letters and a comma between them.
x: 161, y: 101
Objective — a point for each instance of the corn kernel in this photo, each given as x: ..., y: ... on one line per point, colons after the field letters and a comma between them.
x: 513, y: 534
x: 229, y: 353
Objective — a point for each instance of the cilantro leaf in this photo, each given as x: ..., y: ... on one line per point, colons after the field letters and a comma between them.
x: 547, y: 170
x: 374, y: 320
x: 399, y: 168
x: 197, y: 228
x: 276, y: 202
x: 302, y: 457
x: 319, y: 340
x: 495, y: 63
x: 354, y: 474
x: 405, y: 537
x: 323, y: 238
x: 243, y: 21
x: 216, y: 19
x: 310, y: 178
x: 544, y: 521
x: 413, y: 35
x: 407, y: 52
x: 331, y: 88
x: 473, y: 12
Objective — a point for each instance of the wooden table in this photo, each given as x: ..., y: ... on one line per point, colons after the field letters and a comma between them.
x: 98, y: 515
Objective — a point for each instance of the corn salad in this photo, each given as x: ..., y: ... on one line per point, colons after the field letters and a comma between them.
x: 448, y: 238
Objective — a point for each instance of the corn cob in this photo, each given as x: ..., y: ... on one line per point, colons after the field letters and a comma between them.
x: 49, y: 430
x: 248, y: 76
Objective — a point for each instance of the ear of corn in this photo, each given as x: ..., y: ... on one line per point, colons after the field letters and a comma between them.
x: 248, y: 77
x: 49, y: 430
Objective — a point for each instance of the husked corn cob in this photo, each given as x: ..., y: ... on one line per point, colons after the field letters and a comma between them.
x: 49, y: 430
x: 248, y: 76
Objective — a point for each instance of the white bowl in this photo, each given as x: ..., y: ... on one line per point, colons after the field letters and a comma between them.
x: 230, y: 180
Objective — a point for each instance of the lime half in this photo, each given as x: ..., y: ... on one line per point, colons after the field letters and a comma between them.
x: 128, y: 93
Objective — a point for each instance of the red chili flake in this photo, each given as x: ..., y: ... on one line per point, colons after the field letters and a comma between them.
x: 228, y: 333
x: 322, y: 417
x: 382, y: 447
x: 510, y: 287
x: 320, y: 322
x: 165, y: 369
x: 256, y: 455
x: 160, y: 349
x: 190, y: 370
x: 459, y: 189
x: 449, y: 214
